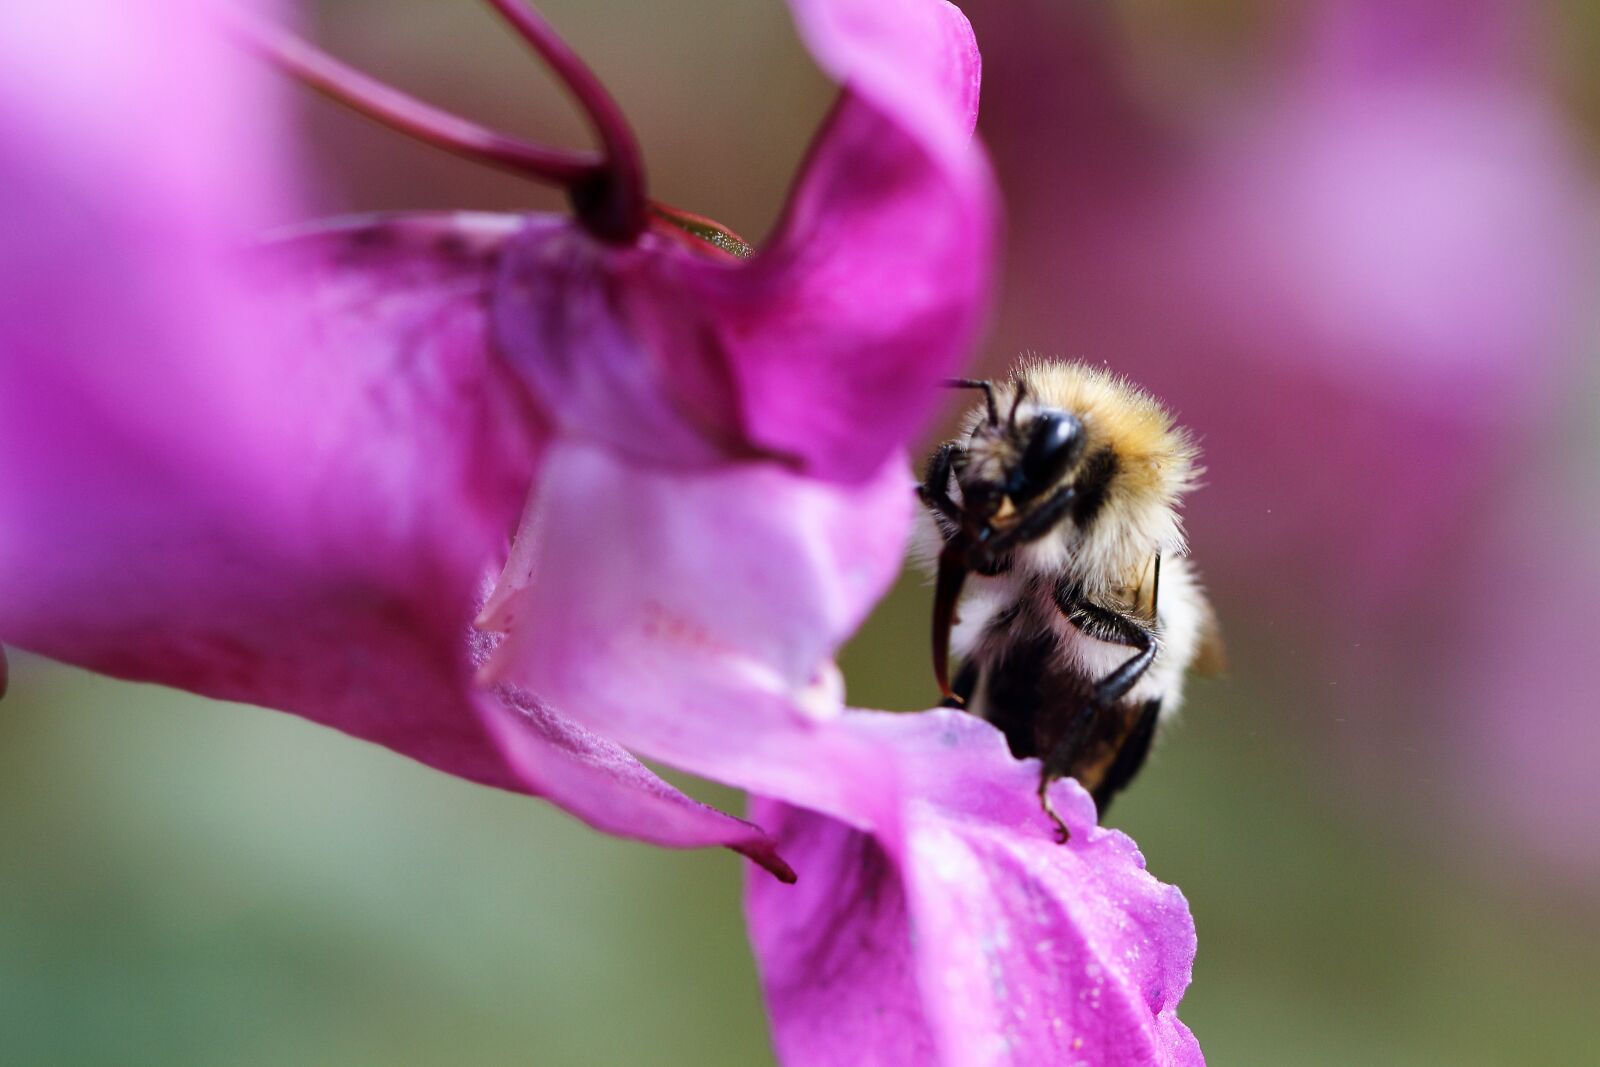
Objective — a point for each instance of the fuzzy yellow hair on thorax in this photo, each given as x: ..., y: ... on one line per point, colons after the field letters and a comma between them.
x: 1155, y: 458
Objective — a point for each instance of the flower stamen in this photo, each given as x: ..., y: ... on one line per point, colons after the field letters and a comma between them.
x: 622, y: 187
x: 400, y: 111
x: 698, y: 232
x: 606, y: 188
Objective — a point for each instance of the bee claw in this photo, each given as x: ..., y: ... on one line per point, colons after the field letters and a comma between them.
x: 1062, y: 833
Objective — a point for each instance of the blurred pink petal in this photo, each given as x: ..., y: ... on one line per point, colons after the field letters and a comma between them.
x: 88, y: 84
x: 952, y: 929
x: 1518, y: 711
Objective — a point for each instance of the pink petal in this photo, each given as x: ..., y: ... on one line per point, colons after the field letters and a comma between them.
x: 873, y: 289
x: 592, y: 329
x: 915, y: 60
x: 953, y: 929
x: 132, y: 111
x: 835, y: 952
x: 685, y: 614
x: 877, y: 280
x: 598, y: 781
x: 352, y: 449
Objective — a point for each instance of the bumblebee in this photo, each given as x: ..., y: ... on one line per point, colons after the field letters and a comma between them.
x: 1062, y: 580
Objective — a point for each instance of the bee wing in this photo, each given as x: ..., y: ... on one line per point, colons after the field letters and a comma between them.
x: 1147, y: 590
x: 1211, y: 657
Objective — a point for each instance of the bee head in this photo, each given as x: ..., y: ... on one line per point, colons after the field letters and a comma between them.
x: 1010, y: 468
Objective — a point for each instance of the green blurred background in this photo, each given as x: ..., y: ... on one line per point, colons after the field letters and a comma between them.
x: 184, y: 882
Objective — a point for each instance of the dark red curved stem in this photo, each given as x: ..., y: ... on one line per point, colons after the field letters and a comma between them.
x: 349, y: 86
x: 623, y: 195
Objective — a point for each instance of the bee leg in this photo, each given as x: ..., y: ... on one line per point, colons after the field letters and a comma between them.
x: 1108, y: 626
x: 1040, y: 521
x: 935, y: 487
x: 966, y: 682
x: 1063, y: 835
x: 988, y: 393
x: 1130, y: 757
x: 1058, y: 762
x: 1114, y: 686
x: 1104, y: 624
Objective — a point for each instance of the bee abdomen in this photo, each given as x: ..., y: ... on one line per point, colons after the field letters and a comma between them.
x: 1034, y: 693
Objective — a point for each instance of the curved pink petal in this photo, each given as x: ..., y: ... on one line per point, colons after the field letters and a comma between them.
x: 598, y: 781
x: 835, y: 952
x: 240, y: 507
x: 954, y: 930
x: 693, y: 615
x: 915, y: 60
x: 872, y: 291
x: 877, y: 280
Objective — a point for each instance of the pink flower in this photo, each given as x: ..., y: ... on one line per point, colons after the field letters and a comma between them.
x: 519, y: 496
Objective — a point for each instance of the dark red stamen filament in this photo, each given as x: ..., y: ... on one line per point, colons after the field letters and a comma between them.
x: 624, y: 182
x: 607, y: 189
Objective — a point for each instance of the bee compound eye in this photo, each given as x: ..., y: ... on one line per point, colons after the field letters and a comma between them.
x: 1055, y: 440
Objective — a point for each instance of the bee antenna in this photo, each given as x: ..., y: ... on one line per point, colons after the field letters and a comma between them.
x: 988, y: 393
x: 1016, y: 402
